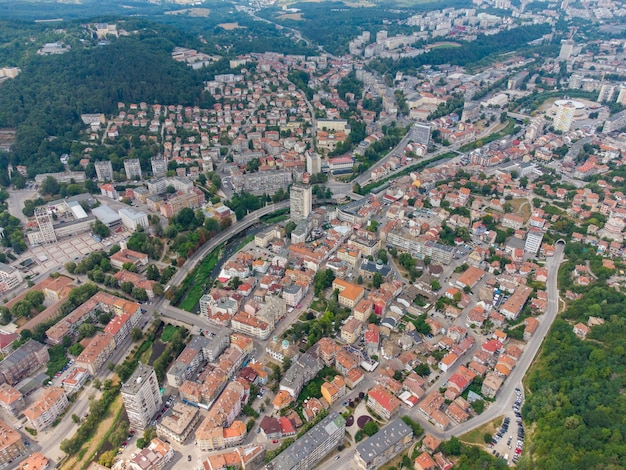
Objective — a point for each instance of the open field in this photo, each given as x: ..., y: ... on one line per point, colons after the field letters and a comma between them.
x: 195, y: 12
x: 476, y: 436
x: 230, y: 26
x: 291, y: 16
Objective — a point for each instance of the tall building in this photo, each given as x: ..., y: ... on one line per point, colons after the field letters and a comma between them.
x: 104, y: 170
x: 564, y: 116
x: 301, y: 202
x: 313, y: 446
x: 621, y: 96
x: 567, y: 49
x: 11, y: 444
x: 377, y: 450
x: 47, y: 408
x: 313, y: 163
x: 606, y: 92
x: 43, y: 216
x: 159, y: 166
x: 23, y: 362
x: 141, y: 396
x: 132, y: 166
x: 533, y: 241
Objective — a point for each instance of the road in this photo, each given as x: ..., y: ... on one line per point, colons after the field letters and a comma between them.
x: 15, y: 203
x: 506, y: 395
x: 251, y: 219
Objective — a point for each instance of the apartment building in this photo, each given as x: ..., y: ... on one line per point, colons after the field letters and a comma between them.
x: 104, y: 170
x: 132, y: 219
x: 154, y: 457
x: 47, y: 408
x: 192, y: 199
x: 220, y: 429
x: 141, y: 396
x: 179, y: 424
x: 132, y: 166
x: 313, y: 446
x: 300, y: 202
x: 349, y: 294
x: 96, y: 353
x: 11, y: 444
x: 9, y: 277
x: 11, y: 400
x: 379, y: 449
x: 23, y: 362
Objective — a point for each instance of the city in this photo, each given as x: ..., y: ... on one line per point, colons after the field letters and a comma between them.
x: 399, y: 252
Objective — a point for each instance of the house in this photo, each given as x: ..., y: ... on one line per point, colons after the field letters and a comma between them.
x: 581, y: 330
x: 47, y: 408
x: 491, y: 385
x: 447, y: 361
x: 351, y: 330
x: 425, y: 462
x: 382, y: 402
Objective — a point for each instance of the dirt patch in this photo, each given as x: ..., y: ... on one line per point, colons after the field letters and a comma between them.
x: 196, y: 12
x: 442, y: 44
x: 230, y: 26
x: 477, y: 436
x: 291, y: 16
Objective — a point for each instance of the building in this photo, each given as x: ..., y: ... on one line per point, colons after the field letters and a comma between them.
x: 75, y: 381
x: 35, y: 461
x: 377, y: 450
x: 128, y: 256
x: 132, y: 219
x: 349, y: 294
x: 248, y: 457
x: 97, y: 352
x: 533, y: 241
x: 104, y: 170
x: 313, y: 163
x: 154, y: 457
x: 179, y: 424
x: 301, y: 202
x: 11, y: 444
x: 9, y: 277
x: 301, y: 372
x: 11, y: 400
x: 132, y: 166
x: 567, y: 49
x: 23, y: 362
x: 159, y: 167
x: 564, y: 116
x: 382, y: 402
x: 141, y: 396
x: 47, y: 408
x: 615, y: 122
x: 46, y: 234
x: 313, y: 446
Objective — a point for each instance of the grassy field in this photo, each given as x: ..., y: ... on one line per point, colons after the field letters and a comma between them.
x: 168, y: 332
x: 521, y: 207
x: 477, y: 435
x: 193, y: 285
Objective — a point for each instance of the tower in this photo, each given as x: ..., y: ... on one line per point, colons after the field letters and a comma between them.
x: 104, y: 170
x: 133, y: 168
x: 43, y: 216
x: 301, y: 202
x: 141, y: 396
x: 159, y: 166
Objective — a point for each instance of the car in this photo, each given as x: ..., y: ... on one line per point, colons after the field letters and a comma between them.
x: 124, y: 444
x: 338, y: 457
x: 131, y: 432
x: 275, y: 441
x: 163, y: 410
x: 189, y: 458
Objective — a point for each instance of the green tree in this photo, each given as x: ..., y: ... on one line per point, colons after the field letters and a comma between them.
x: 136, y: 334
x: 107, y: 458
x: 152, y: 273
x: 86, y: 330
x: 371, y: 428
x: 49, y: 186
x: 377, y: 280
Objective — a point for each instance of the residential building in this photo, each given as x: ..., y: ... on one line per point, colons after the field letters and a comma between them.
x: 382, y: 402
x: 159, y: 167
x: 349, y: 294
x: 9, y: 277
x: 313, y: 446
x: 23, y: 362
x: 533, y: 241
x: 380, y: 448
x: 132, y: 166
x: 304, y: 369
x: 141, y: 396
x: 104, y: 170
x: 301, y: 202
x: 128, y: 256
x: 154, y: 457
x: 220, y: 429
x: 11, y: 400
x: 11, y: 444
x: 48, y: 407
x: 179, y: 424
x: 75, y: 380
x: 132, y: 219
x: 351, y: 331
x: 35, y: 461
x: 96, y: 353
x: 248, y: 457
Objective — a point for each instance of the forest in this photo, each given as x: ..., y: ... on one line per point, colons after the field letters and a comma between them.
x: 468, y: 53
x: 576, y: 403
x: 47, y: 98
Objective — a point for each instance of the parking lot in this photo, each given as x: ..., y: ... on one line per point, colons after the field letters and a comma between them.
x: 508, y: 443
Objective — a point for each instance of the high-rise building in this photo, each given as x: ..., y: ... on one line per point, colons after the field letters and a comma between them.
x: 621, y: 96
x: 384, y: 445
x: 533, y: 241
x: 141, y: 396
x: 567, y: 49
x: 606, y: 92
x: 133, y: 168
x: 43, y: 216
x: 564, y: 116
x: 104, y: 170
x: 301, y: 202
x: 313, y: 163
x: 159, y: 166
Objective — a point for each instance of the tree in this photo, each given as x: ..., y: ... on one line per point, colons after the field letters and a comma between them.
x: 86, y: 330
x: 371, y: 428
x: 119, y: 433
x: 98, y: 228
x: 5, y: 315
x: 75, y: 349
x: 377, y: 280
x: 139, y: 294
x: 435, y: 285
x: 107, y: 458
x: 136, y: 334
x: 291, y: 225
x: 422, y: 370
x: 322, y: 281
x: 152, y: 273
x: 49, y: 186
x: 127, y: 287
x: 157, y: 288
x: 382, y: 255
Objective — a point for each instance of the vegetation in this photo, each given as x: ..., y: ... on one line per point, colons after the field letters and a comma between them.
x: 468, y: 457
x: 194, y: 285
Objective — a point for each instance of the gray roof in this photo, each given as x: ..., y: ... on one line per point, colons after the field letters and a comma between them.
x: 296, y: 453
x: 5, y: 268
x: 106, y: 215
x: 387, y: 437
x: 139, y: 377
x: 371, y: 267
x: 30, y: 347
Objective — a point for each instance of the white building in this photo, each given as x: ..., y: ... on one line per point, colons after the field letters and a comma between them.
x: 132, y: 166
x: 533, y: 241
x: 133, y: 219
x: 9, y: 277
x: 301, y: 202
x: 141, y: 397
x: 159, y: 167
x: 104, y: 170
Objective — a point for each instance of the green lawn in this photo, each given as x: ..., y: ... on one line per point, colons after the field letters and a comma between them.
x: 168, y: 332
x: 194, y: 284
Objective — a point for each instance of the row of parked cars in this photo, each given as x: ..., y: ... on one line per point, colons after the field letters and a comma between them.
x: 520, y: 429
